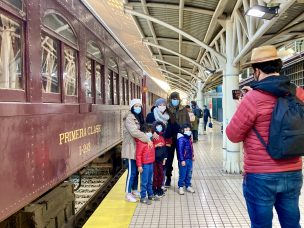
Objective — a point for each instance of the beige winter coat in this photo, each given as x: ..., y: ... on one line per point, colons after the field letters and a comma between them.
x: 131, y: 131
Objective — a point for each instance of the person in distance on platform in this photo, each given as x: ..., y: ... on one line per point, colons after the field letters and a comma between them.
x: 145, y: 157
x: 160, y: 158
x: 198, y: 114
x: 185, y: 157
x: 206, y: 117
x: 194, y: 123
x: 132, y: 122
x: 267, y: 182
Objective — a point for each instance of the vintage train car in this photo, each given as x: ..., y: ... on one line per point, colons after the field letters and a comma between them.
x: 65, y: 85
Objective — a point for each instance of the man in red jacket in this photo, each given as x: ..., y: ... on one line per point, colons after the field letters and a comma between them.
x: 267, y: 182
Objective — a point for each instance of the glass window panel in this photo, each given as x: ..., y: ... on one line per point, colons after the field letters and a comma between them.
x: 127, y: 97
x: 122, y: 91
x: 70, y: 71
x: 93, y: 49
x: 115, y: 91
x: 110, y: 87
x: 16, y: 3
x: 112, y: 64
x: 98, y: 80
x: 49, y: 65
x: 88, y: 79
x: 59, y: 25
x: 11, y: 49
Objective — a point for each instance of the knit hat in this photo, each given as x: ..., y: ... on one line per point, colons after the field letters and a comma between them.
x: 135, y: 101
x: 160, y: 101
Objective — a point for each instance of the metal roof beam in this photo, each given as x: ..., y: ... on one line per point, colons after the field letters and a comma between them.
x: 177, y: 76
x: 202, y: 44
x: 180, y: 55
x: 180, y: 26
x: 182, y: 89
x: 262, y: 30
x: 177, y: 82
x: 172, y: 6
x: 172, y: 40
x: 170, y: 64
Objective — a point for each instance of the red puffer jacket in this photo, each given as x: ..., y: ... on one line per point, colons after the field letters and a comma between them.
x: 144, y: 154
x: 255, y: 111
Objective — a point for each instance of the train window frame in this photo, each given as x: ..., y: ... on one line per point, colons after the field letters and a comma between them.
x: 62, y: 97
x: 96, y: 61
x: 10, y: 94
x: 113, y: 73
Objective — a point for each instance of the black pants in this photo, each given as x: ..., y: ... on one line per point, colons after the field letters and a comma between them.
x: 205, y: 124
x: 195, y: 134
x: 170, y: 158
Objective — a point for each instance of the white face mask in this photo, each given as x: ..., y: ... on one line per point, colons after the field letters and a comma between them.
x: 162, y: 108
x: 188, y: 133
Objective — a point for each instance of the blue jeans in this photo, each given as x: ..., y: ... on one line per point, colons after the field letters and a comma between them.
x: 185, y: 173
x: 132, y: 177
x: 281, y: 190
x: 146, y: 180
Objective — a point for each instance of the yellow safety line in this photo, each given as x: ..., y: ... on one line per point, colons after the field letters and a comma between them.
x: 113, y: 211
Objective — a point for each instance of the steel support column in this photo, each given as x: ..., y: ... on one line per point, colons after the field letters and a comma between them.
x: 231, y: 81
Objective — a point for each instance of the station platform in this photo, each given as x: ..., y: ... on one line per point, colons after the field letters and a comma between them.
x: 217, y: 202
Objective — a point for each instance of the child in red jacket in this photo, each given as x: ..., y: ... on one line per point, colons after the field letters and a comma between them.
x: 160, y: 158
x: 145, y: 157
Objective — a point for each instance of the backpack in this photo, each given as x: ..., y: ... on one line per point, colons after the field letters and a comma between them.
x: 199, y: 113
x: 286, y: 131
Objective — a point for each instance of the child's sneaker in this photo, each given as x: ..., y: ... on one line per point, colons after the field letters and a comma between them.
x: 130, y: 198
x: 163, y: 188
x: 136, y: 193
x: 145, y: 201
x: 155, y: 198
x: 181, y: 191
x: 190, y: 189
x: 160, y: 193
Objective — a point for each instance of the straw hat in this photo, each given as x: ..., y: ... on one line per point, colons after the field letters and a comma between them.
x: 263, y: 54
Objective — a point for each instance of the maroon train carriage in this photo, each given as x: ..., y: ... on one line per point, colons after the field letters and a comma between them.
x: 64, y: 87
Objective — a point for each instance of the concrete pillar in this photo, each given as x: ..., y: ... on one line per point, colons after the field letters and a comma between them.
x: 231, y: 162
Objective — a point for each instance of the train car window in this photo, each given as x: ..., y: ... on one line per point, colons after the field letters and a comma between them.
x: 99, y: 81
x: 70, y: 71
x: 60, y: 26
x: 112, y: 64
x: 123, y: 91
x: 11, y: 53
x: 88, y: 78
x: 127, y: 97
x: 109, y: 90
x: 94, y: 50
x: 49, y: 65
x: 15, y: 3
x: 116, y: 88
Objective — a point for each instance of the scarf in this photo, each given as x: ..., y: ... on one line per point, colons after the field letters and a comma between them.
x: 162, y: 117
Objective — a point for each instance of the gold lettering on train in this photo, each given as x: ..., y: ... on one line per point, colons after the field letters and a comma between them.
x: 73, y: 135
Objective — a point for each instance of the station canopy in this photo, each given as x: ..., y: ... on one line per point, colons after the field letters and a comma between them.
x: 183, y: 41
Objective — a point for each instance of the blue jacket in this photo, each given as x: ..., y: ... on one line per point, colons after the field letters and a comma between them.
x: 184, y: 147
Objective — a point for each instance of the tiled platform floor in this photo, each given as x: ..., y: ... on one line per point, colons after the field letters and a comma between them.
x: 218, y: 201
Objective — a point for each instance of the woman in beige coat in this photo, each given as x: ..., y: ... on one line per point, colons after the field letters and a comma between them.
x: 131, y: 129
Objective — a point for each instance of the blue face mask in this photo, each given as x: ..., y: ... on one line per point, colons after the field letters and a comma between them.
x: 137, y: 110
x: 175, y: 102
x: 159, y: 128
x: 188, y: 133
x: 149, y: 134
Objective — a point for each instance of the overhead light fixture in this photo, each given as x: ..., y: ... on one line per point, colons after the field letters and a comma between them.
x: 263, y: 12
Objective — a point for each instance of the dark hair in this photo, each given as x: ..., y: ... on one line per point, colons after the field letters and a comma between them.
x: 182, y: 128
x: 139, y: 117
x: 156, y: 123
x: 187, y: 106
x: 193, y: 103
x: 273, y: 66
x: 146, y: 128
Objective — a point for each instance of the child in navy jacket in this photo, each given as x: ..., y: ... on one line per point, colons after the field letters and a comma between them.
x: 185, y: 156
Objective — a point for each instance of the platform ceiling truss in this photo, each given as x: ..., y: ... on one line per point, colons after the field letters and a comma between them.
x: 194, y: 32
x: 187, y: 38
